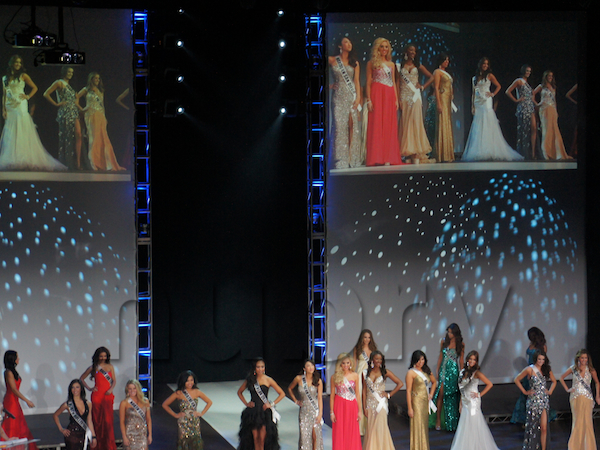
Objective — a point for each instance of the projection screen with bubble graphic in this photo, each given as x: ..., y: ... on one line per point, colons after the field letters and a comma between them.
x: 68, y: 248
x: 495, y: 251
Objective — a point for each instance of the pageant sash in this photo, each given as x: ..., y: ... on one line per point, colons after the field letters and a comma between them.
x: 381, y: 402
x: 190, y: 400
x: 350, y: 388
x: 366, y: 358
x: 416, y: 92
x: 263, y: 398
x: 310, y: 398
x: 454, y: 108
x: 77, y: 418
x: 426, y: 380
x: 137, y: 409
x: 581, y: 380
x: 345, y: 76
x: 106, y: 375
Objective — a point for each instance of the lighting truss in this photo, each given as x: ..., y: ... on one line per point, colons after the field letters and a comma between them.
x: 143, y: 201
x: 315, y: 191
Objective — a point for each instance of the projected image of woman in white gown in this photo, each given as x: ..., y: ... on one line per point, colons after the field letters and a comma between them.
x: 20, y: 145
x: 485, y: 141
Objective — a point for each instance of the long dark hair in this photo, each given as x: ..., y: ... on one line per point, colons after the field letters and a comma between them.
x: 316, y: 375
x: 96, y: 360
x: 352, y: 55
x: 524, y: 68
x: 469, y: 371
x: 10, y: 362
x: 537, y: 338
x: 383, y: 370
x: 457, y: 338
x: 581, y: 352
x: 183, y: 377
x: 416, y: 356
x: 82, y: 390
x: 546, y: 366
x: 404, y: 56
x: 480, y: 74
x: 359, y: 344
x: 251, y: 378
x: 10, y: 74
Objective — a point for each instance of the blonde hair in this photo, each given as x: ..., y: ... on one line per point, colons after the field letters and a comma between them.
x: 338, y: 376
x: 376, y: 59
x: 140, y: 394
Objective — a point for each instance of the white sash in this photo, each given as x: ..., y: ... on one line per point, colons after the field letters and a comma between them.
x: 310, y: 399
x: 366, y: 358
x: 416, y: 92
x: 350, y: 388
x: 454, y: 108
x: 275, y: 415
x: 77, y: 417
x: 382, y: 404
x: 190, y: 400
x: 106, y: 375
x: 344, y: 72
x: 426, y: 380
x: 581, y: 380
x: 137, y: 409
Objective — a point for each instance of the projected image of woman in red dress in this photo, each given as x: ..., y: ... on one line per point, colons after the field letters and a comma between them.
x: 383, y: 147
x: 103, y: 374
x: 16, y: 427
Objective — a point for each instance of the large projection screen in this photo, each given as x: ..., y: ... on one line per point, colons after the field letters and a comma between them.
x: 495, y: 247
x: 67, y: 237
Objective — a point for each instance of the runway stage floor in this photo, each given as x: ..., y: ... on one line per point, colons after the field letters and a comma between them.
x: 220, y: 424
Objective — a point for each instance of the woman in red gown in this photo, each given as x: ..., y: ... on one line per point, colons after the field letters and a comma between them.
x: 383, y: 147
x: 103, y: 374
x: 345, y: 406
x: 16, y: 427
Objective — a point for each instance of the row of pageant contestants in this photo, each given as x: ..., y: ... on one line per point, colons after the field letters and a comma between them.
x: 20, y: 145
x: 367, y: 130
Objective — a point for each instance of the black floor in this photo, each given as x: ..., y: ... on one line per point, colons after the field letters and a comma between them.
x: 499, y: 401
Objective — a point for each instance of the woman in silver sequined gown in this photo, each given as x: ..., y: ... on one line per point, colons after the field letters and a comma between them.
x: 526, y: 119
x: 136, y: 428
x: 537, y: 434
x: 189, y: 436
x: 582, y: 401
x: 346, y: 100
x: 311, y: 408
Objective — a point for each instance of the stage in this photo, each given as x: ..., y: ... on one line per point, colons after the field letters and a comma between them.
x: 220, y: 424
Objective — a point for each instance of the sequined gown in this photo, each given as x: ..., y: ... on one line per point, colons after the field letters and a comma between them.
x: 448, y: 379
x: 136, y: 429
x: 68, y: 115
x: 536, y: 404
x: 485, y: 141
x: 16, y: 427
x: 362, y: 365
x: 582, y: 406
x: 473, y: 432
x: 378, y: 435
x: 347, y: 141
x: 525, y: 109
x: 419, y: 433
x: 20, y: 145
x: 100, y: 149
x: 102, y: 413
x: 345, y: 434
x: 444, y: 136
x: 382, y: 130
x: 307, y: 421
x: 189, y: 436
x: 552, y: 141
x: 254, y: 419
x: 75, y: 440
x: 413, y: 138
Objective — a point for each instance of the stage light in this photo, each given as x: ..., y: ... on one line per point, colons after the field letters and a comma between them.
x: 180, y: 10
x: 282, y: 78
x: 179, y: 43
x: 180, y: 110
x: 282, y: 44
x: 282, y: 110
x: 180, y: 78
x: 57, y: 56
x: 280, y: 12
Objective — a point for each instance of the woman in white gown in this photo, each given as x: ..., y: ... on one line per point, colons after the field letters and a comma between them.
x: 472, y: 432
x: 485, y: 141
x: 20, y: 145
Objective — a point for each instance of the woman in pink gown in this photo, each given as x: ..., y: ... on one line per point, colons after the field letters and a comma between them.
x: 383, y: 147
x: 103, y: 374
x: 345, y: 406
x: 15, y: 427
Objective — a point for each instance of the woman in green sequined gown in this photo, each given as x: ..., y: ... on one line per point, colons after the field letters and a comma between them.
x: 447, y: 394
x: 189, y: 436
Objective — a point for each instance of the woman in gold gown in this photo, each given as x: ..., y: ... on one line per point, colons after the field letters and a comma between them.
x: 444, y: 137
x: 134, y: 418
x: 418, y: 399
